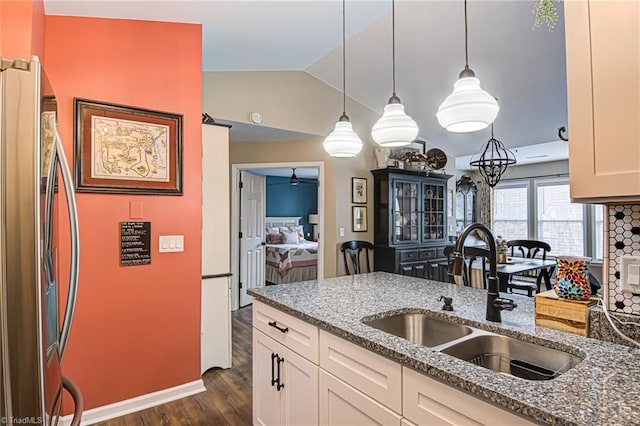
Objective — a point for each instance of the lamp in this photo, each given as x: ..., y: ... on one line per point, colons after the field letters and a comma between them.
x: 468, y: 108
x: 493, y: 161
x: 343, y: 141
x: 395, y: 127
x: 314, y: 220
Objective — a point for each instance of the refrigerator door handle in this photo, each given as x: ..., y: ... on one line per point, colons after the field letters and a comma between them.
x: 67, y: 179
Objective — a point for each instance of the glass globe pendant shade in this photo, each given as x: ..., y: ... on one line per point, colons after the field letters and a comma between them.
x: 395, y: 127
x: 468, y: 108
x: 343, y: 141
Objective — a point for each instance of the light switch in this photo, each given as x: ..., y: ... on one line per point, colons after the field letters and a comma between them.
x: 630, y: 274
x: 171, y: 243
x: 342, y: 232
x: 634, y: 274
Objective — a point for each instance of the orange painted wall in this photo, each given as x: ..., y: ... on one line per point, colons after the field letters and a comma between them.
x: 21, y: 28
x: 136, y: 328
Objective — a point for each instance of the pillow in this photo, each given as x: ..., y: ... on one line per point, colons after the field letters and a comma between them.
x: 299, y: 229
x: 290, y: 237
x: 272, y: 230
x: 274, y: 238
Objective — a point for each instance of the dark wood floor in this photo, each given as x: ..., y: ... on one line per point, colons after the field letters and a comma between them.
x: 227, y: 400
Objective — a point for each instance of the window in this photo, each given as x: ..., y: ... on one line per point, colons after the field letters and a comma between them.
x: 598, y: 232
x: 546, y: 213
x: 510, y: 211
x: 560, y: 222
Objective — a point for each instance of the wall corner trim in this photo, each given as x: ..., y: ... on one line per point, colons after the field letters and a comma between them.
x: 120, y: 408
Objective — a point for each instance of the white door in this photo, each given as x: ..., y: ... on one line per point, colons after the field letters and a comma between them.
x: 252, y: 250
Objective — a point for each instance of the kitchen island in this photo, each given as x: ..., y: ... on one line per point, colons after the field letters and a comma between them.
x: 602, y: 389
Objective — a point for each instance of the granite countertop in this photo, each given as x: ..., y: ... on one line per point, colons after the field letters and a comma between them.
x: 603, y: 389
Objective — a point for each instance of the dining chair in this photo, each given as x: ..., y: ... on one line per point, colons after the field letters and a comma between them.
x: 474, y: 277
x: 352, y: 251
x: 531, y: 249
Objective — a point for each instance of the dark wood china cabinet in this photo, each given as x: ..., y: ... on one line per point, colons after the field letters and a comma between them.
x: 410, y: 221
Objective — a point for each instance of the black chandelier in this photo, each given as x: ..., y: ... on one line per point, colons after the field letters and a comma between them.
x: 493, y: 161
x: 466, y: 184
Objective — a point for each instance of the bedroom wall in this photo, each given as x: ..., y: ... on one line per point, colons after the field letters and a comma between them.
x: 284, y: 199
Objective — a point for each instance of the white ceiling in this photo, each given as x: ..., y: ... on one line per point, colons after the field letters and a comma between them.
x: 524, y: 68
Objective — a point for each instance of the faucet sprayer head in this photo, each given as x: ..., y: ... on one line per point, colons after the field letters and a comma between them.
x: 457, y: 264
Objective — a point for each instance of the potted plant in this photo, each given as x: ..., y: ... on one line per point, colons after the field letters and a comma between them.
x: 415, y: 160
x: 501, y: 249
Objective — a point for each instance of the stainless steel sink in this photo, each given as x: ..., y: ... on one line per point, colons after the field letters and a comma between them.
x: 514, y: 357
x: 420, y: 328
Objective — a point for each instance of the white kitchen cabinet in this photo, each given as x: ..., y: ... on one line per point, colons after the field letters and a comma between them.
x: 603, y: 87
x: 298, y: 335
x: 343, y: 405
x: 426, y: 401
x: 215, y: 322
x: 215, y: 327
x: 285, y: 385
x: 370, y: 373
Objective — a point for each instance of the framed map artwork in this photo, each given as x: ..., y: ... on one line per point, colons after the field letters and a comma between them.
x: 125, y: 150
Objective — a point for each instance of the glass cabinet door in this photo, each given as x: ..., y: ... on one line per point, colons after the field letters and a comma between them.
x: 434, y: 209
x: 406, y: 210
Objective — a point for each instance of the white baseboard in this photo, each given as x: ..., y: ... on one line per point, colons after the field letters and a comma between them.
x: 117, y: 409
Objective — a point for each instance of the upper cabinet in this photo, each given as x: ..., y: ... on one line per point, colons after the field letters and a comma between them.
x: 603, y: 84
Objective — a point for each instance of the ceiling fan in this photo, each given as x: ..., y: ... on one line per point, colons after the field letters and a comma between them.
x: 295, y: 180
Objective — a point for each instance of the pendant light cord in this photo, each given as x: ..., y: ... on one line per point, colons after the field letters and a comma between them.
x: 393, y: 43
x: 344, y: 60
x: 466, y: 38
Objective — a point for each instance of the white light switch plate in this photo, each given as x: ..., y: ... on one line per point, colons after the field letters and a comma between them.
x: 342, y: 232
x: 630, y: 274
x: 171, y: 243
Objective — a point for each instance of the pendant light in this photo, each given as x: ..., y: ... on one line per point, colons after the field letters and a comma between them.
x: 343, y: 141
x: 468, y: 108
x: 395, y: 127
x: 493, y: 161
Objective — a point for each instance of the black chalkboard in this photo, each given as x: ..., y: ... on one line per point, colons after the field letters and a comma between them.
x: 135, y: 243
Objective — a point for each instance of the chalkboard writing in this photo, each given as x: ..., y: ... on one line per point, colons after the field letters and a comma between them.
x: 135, y: 243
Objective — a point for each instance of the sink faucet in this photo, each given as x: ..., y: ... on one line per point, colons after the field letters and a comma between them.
x: 495, y: 303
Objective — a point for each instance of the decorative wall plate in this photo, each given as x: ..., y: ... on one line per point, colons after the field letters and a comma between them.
x: 436, y: 158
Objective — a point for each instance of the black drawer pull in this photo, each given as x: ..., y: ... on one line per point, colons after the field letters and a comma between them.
x: 275, y: 325
x: 279, y: 385
x: 273, y: 373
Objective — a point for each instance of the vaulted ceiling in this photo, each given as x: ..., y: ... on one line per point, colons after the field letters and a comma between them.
x: 524, y: 68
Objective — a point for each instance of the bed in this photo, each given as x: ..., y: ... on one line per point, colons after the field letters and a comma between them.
x: 286, y: 262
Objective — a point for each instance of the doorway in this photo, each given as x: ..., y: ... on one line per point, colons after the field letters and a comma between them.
x: 248, y: 213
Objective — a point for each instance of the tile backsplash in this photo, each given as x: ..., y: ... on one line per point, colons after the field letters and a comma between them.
x: 623, y: 239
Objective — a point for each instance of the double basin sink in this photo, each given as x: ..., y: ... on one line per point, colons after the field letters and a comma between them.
x: 499, y: 353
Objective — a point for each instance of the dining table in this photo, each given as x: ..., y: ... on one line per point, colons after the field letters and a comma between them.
x: 514, y: 266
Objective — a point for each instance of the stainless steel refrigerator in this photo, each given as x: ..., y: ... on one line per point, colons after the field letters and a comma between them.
x: 36, y: 196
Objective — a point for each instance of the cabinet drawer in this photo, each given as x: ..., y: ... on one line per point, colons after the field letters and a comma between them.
x: 426, y: 401
x: 408, y: 255
x: 370, y: 373
x: 297, y: 335
x: 430, y: 253
x: 340, y: 404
